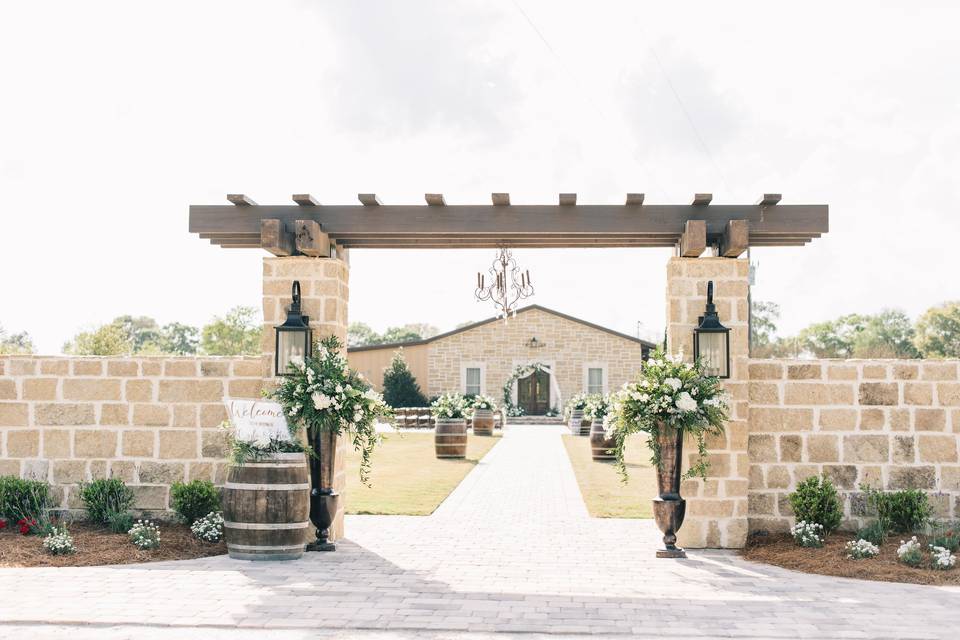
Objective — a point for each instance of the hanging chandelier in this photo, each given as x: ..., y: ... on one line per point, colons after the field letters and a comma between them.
x: 508, y: 284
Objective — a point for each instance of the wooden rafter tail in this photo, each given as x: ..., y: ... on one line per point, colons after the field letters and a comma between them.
x: 241, y: 200
x: 568, y: 199
x: 693, y: 242
x: 310, y: 239
x: 368, y: 199
x: 735, y: 239
x: 635, y: 199
x: 769, y: 199
x: 275, y: 238
x: 500, y: 199
x: 305, y: 200
x: 435, y: 199
x: 702, y: 199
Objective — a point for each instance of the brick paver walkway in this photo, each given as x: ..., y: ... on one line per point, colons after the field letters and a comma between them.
x: 511, y: 550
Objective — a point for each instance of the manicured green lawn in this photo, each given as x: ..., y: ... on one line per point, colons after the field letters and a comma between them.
x: 606, y: 496
x: 407, y: 477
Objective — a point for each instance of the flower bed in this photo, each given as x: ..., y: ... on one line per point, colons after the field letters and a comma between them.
x: 832, y: 560
x: 96, y: 545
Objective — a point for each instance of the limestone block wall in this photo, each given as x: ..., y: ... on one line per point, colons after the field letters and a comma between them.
x: 569, y: 345
x: 151, y: 421
x: 892, y: 424
x: 716, y: 508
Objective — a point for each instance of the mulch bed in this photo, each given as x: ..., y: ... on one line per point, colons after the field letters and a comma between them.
x: 97, y: 546
x: 831, y: 560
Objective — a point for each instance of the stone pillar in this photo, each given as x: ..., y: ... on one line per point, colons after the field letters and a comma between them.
x: 324, y: 293
x: 716, y: 508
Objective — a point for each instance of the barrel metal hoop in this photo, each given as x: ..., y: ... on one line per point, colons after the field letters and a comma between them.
x: 261, y: 547
x: 251, y: 486
x: 266, y: 526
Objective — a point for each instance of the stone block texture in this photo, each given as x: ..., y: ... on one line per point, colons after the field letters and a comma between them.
x: 884, y: 423
x: 68, y: 420
x: 717, y: 509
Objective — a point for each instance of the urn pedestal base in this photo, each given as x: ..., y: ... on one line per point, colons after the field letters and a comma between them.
x: 668, y: 513
x: 323, y: 504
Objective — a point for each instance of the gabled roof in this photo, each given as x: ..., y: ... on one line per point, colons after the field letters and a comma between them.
x: 474, y: 325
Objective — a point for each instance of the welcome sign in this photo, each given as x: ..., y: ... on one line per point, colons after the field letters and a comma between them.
x: 257, y: 420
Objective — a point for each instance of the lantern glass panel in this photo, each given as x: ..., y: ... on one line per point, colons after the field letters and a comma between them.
x: 712, y: 351
x: 291, y: 349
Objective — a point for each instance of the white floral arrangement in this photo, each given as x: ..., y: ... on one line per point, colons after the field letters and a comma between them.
x: 807, y: 534
x: 576, y: 402
x: 59, y: 541
x: 941, y: 559
x: 668, y: 394
x: 323, y: 393
x: 483, y: 402
x: 910, y: 552
x: 450, y: 406
x: 861, y: 549
x: 145, y: 535
x: 209, y: 528
x: 597, y: 407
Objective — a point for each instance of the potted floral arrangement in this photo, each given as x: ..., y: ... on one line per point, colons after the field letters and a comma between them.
x: 483, y: 408
x: 597, y: 410
x: 669, y: 399
x: 573, y: 413
x: 450, y: 413
x: 324, y: 398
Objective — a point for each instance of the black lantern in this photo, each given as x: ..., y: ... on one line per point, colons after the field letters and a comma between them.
x: 294, y: 337
x: 711, y: 340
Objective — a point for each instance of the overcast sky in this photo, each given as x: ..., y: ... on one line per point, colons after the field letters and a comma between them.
x: 117, y: 115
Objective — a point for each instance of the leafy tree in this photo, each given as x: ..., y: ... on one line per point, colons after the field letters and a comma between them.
x: 400, y: 334
x: 108, y: 340
x: 938, y: 331
x: 464, y: 324
x: 237, y: 333
x: 833, y: 338
x: 141, y: 331
x: 763, y: 327
x: 400, y: 388
x: 422, y: 329
x: 181, y: 339
x: 15, y: 343
x: 888, y: 334
x: 360, y: 334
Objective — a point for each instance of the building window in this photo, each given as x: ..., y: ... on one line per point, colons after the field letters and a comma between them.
x: 472, y: 378
x: 595, y: 377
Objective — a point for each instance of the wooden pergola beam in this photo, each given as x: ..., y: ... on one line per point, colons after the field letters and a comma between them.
x: 568, y: 199
x: 769, y: 199
x: 500, y: 199
x: 311, y: 240
x: 275, y: 238
x: 634, y: 199
x: 241, y: 200
x: 735, y: 239
x: 693, y: 242
x: 702, y: 199
x: 305, y: 200
x: 368, y: 199
x: 435, y: 199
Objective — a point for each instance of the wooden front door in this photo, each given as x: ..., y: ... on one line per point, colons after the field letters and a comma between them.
x: 533, y: 393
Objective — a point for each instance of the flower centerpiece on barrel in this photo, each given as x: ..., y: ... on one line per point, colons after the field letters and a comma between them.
x: 326, y: 398
x: 483, y: 408
x: 670, y: 398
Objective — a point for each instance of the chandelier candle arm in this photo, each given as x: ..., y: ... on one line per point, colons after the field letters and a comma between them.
x: 509, y: 284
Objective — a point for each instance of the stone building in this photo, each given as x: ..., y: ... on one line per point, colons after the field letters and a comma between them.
x: 578, y: 356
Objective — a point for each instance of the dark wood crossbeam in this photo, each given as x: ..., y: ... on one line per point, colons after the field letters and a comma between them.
x: 730, y: 228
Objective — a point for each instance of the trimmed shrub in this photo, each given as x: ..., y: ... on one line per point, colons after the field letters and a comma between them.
x: 400, y: 388
x: 104, y: 498
x: 23, y: 499
x: 816, y: 501
x: 120, y: 522
x: 194, y: 499
x: 900, y: 511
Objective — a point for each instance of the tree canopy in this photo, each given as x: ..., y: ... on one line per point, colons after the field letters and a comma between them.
x: 14, y: 343
x: 360, y: 334
x: 237, y: 333
x: 938, y: 331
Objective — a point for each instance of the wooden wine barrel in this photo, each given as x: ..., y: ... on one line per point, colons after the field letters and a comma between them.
x: 600, y: 445
x: 266, y: 508
x: 450, y: 438
x: 576, y: 419
x: 483, y: 422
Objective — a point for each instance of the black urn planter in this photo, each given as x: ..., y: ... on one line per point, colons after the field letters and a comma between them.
x: 668, y: 507
x: 324, y: 500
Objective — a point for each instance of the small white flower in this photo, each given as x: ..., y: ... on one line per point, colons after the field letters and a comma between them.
x: 685, y: 402
x: 673, y: 383
x: 320, y: 401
